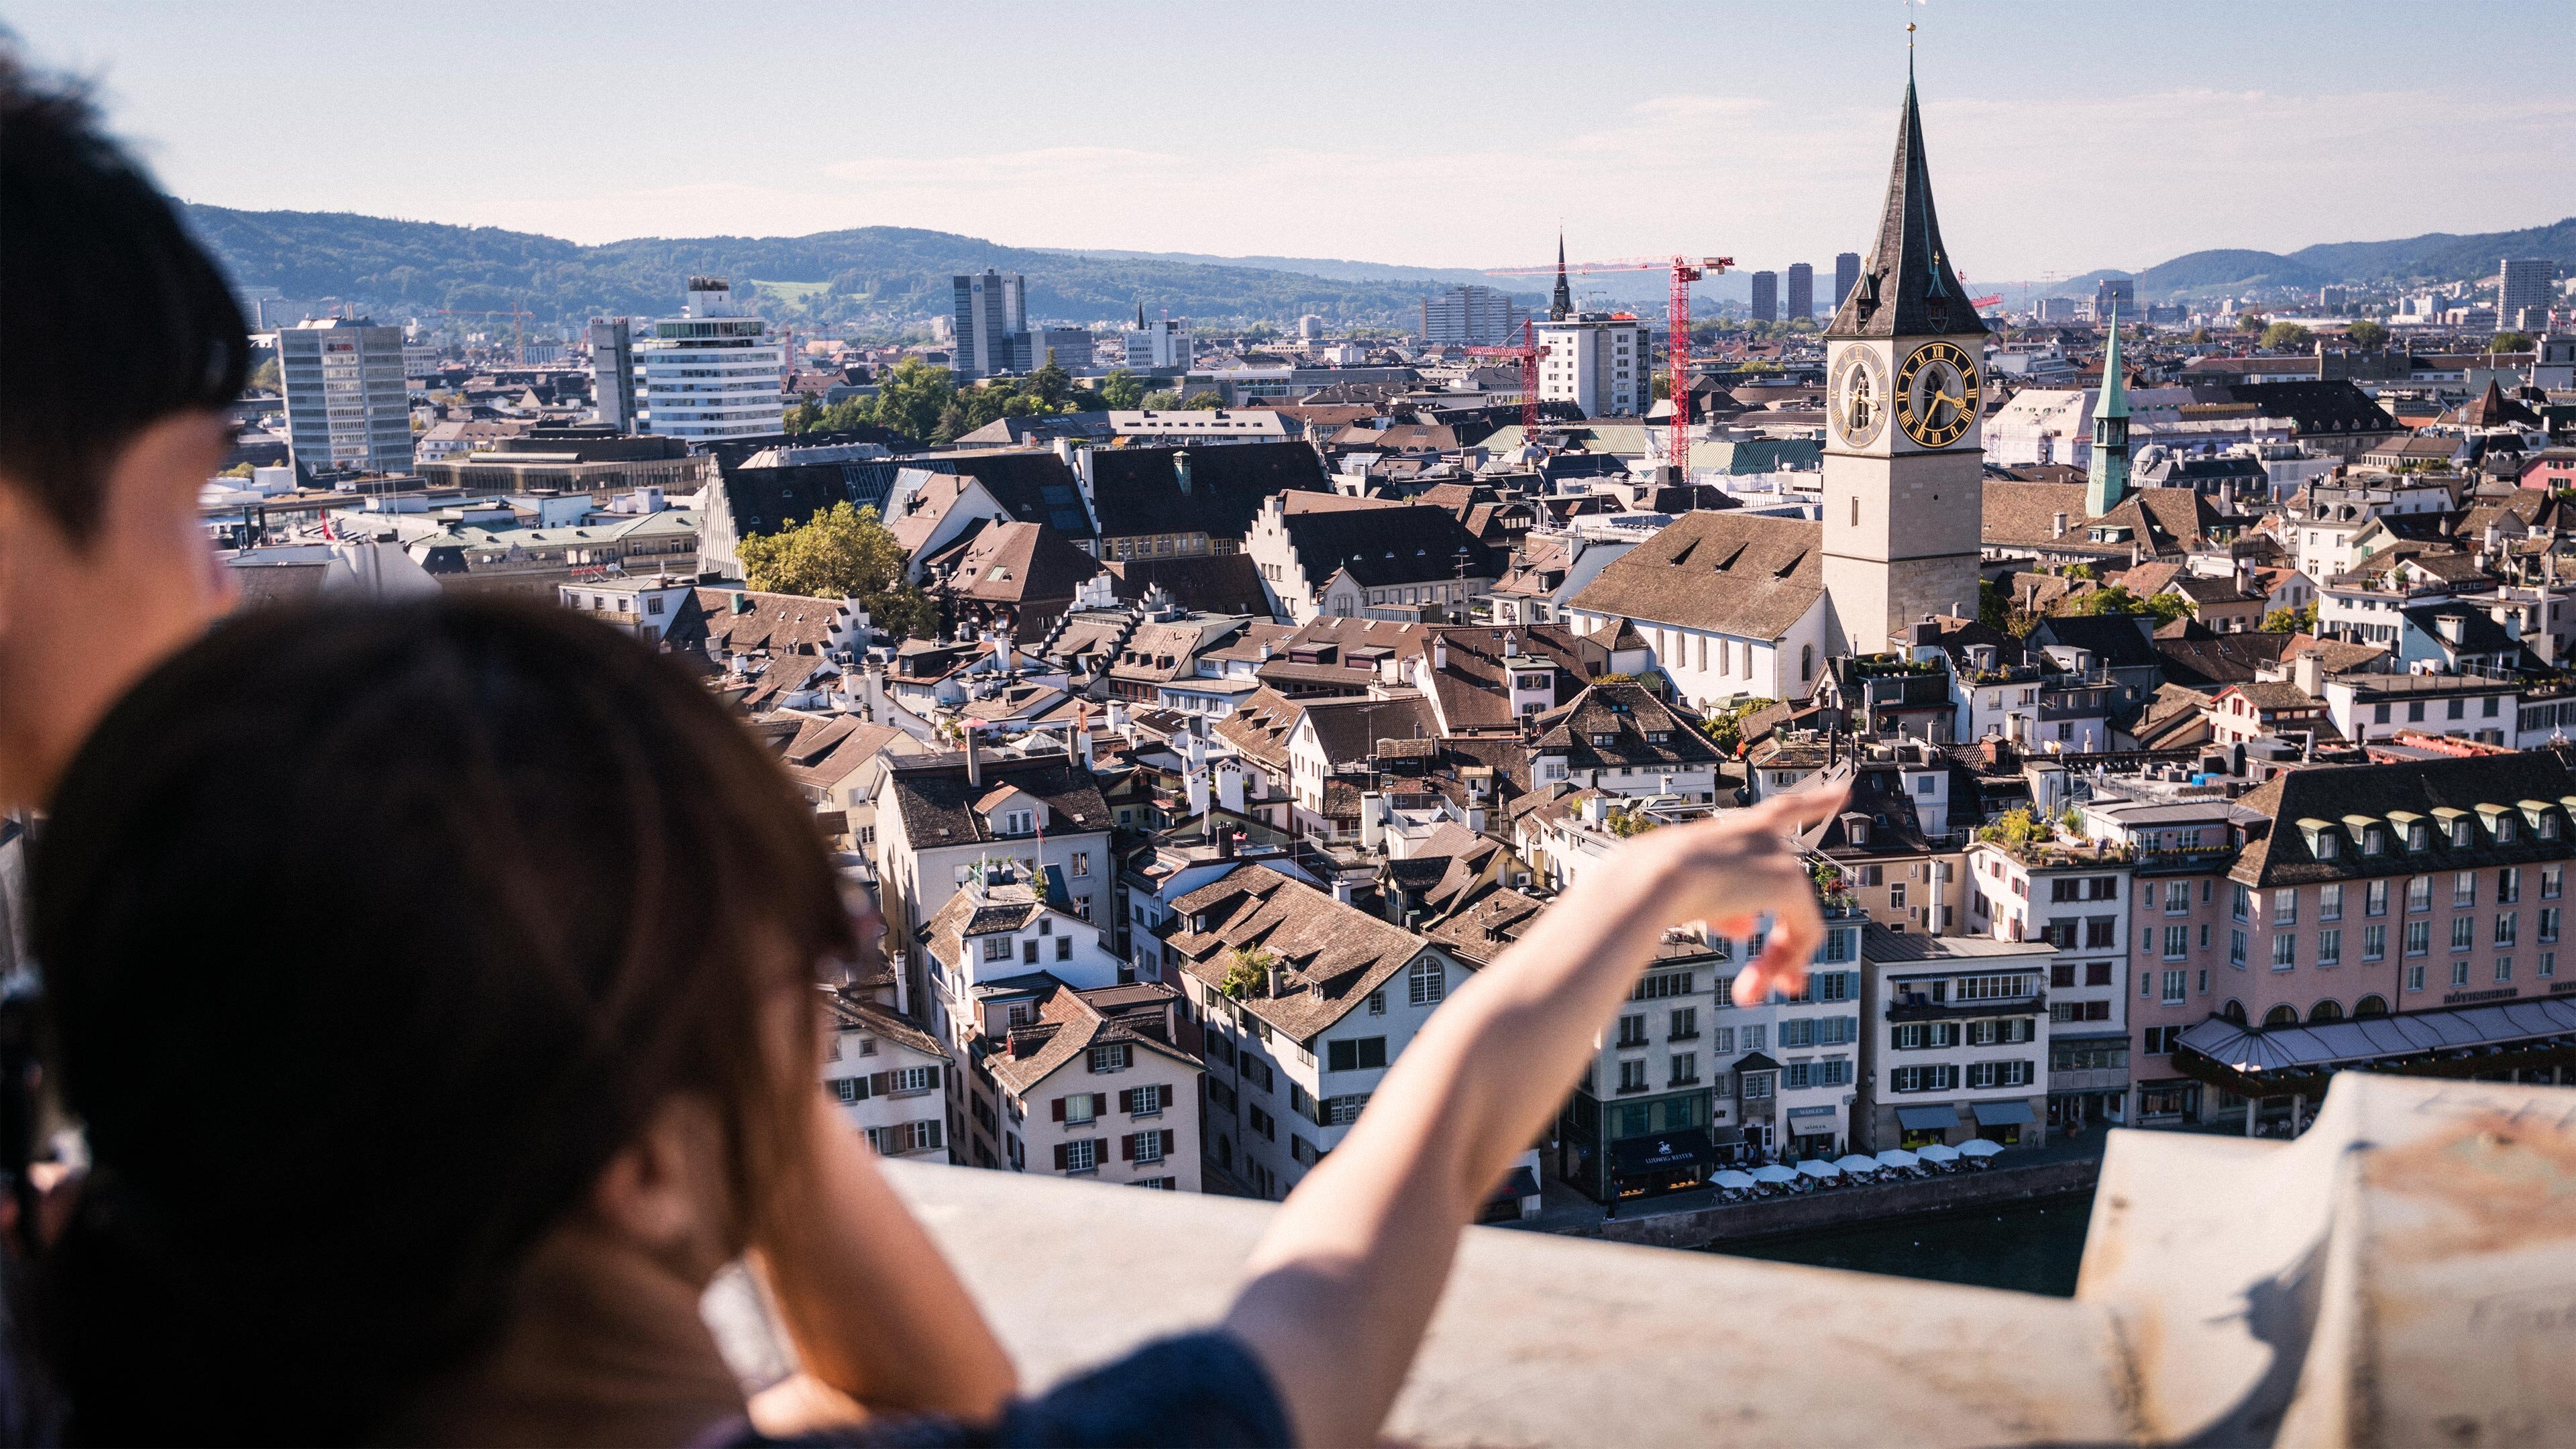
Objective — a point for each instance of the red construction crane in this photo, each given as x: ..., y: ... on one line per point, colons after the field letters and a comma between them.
x: 1685, y: 270
x: 518, y: 329
x: 1528, y: 353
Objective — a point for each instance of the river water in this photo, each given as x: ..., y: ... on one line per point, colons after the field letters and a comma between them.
x: 2034, y: 1247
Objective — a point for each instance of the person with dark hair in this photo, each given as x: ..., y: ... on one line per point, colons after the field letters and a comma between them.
x: 436, y: 982
x: 121, y: 347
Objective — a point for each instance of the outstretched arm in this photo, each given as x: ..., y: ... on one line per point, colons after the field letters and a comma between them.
x: 1344, y: 1283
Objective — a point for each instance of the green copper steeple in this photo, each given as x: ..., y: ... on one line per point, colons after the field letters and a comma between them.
x: 2108, y: 481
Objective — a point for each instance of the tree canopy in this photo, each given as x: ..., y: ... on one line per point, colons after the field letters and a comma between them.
x: 2118, y: 600
x: 842, y: 553
x: 2287, y: 335
x: 2510, y: 342
x: 2366, y: 333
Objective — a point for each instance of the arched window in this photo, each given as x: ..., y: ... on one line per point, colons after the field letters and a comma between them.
x: 1806, y: 662
x: 2369, y: 1006
x: 2281, y: 1016
x: 2234, y: 1011
x: 2326, y: 1011
x: 1426, y: 983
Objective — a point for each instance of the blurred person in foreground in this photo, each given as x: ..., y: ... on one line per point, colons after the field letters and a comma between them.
x: 120, y: 350
x: 434, y: 1066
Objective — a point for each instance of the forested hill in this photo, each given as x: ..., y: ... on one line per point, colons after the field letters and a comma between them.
x: 2431, y: 258
x: 827, y: 277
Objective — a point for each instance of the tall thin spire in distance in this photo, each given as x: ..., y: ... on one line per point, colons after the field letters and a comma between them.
x: 2106, y: 481
x: 1561, y: 306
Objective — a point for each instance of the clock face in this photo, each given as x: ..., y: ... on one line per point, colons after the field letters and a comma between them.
x: 1936, y: 394
x: 1857, y: 401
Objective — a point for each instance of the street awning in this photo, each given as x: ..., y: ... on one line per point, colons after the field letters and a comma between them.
x: 1662, y: 1152
x: 1813, y: 1111
x: 1927, y: 1119
x: 2003, y: 1114
x: 1522, y: 1183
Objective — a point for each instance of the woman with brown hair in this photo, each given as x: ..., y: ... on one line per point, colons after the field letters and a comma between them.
x: 435, y: 986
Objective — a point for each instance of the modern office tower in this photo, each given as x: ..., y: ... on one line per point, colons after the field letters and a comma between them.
x: 1802, y: 292
x: 1471, y: 317
x: 1164, y: 342
x: 2114, y: 294
x: 711, y: 372
x: 1310, y: 328
x: 2523, y: 283
x: 992, y: 312
x: 1069, y: 347
x: 1846, y: 275
x: 1597, y: 361
x: 346, y: 403
x: 1766, y: 296
x: 612, y: 371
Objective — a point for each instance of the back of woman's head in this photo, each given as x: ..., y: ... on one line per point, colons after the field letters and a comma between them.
x: 371, y: 936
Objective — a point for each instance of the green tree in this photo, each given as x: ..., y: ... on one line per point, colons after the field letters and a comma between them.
x: 2366, y: 333
x: 266, y: 377
x: 2118, y: 600
x: 1122, y: 389
x: 2510, y: 342
x: 1159, y: 402
x: 842, y: 552
x: 1247, y: 972
x: 1205, y: 402
x: 2015, y: 827
x: 238, y: 470
x: 1726, y: 727
x: 2301, y: 620
x: 2199, y: 334
x: 914, y: 397
x: 805, y: 417
x: 1050, y: 385
x: 2287, y: 335
x: 2249, y: 321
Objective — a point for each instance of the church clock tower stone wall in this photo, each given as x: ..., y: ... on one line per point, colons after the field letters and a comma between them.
x: 1904, y: 394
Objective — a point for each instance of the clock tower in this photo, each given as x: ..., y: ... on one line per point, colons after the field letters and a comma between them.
x: 1904, y: 391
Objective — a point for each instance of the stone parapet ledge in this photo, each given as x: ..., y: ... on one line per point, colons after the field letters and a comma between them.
x: 2405, y: 1273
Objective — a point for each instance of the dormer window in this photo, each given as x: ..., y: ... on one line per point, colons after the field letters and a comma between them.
x: 2372, y: 841
x: 1603, y: 737
x: 2504, y: 830
x: 2329, y: 845
x: 2549, y: 827
x: 1019, y: 822
x: 2415, y: 837
x: 2460, y: 832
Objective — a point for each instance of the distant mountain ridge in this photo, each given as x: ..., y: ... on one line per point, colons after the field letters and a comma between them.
x: 2433, y: 257
x: 424, y: 266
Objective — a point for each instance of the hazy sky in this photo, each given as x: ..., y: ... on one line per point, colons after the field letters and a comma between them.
x: 2063, y: 136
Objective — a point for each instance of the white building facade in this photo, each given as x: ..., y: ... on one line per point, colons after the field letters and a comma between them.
x: 710, y: 373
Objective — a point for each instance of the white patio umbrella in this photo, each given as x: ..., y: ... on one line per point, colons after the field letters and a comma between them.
x: 1979, y: 1147
x: 1857, y: 1163
x: 1774, y: 1173
x: 1819, y: 1169
x: 1733, y: 1180
x: 1898, y: 1157
x: 1935, y: 1152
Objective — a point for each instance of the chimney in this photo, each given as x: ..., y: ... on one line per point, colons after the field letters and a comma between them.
x: 1197, y: 788
x: 1229, y: 788
x: 2307, y: 671
x: 1278, y: 983
x: 1372, y: 820
x: 1082, y: 741
x: 1224, y: 836
x: 1341, y: 890
x: 974, y: 762
x: 1594, y: 808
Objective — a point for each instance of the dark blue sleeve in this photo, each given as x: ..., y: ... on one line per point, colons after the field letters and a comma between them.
x: 1200, y: 1389
x: 1195, y: 1391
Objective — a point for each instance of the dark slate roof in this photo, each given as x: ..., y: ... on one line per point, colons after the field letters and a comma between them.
x: 1388, y: 546
x: 1019, y: 563
x: 2312, y: 407
x: 2119, y: 641
x: 1138, y: 490
x: 1628, y: 715
x: 1035, y: 487
x: 939, y: 806
x: 1222, y: 583
x: 2207, y: 661
x: 771, y: 500
x: 1907, y: 288
x: 2282, y: 856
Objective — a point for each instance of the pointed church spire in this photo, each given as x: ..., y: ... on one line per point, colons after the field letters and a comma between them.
x: 2106, y: 482
x: 1907, y: 288
x: 1561, y: 306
